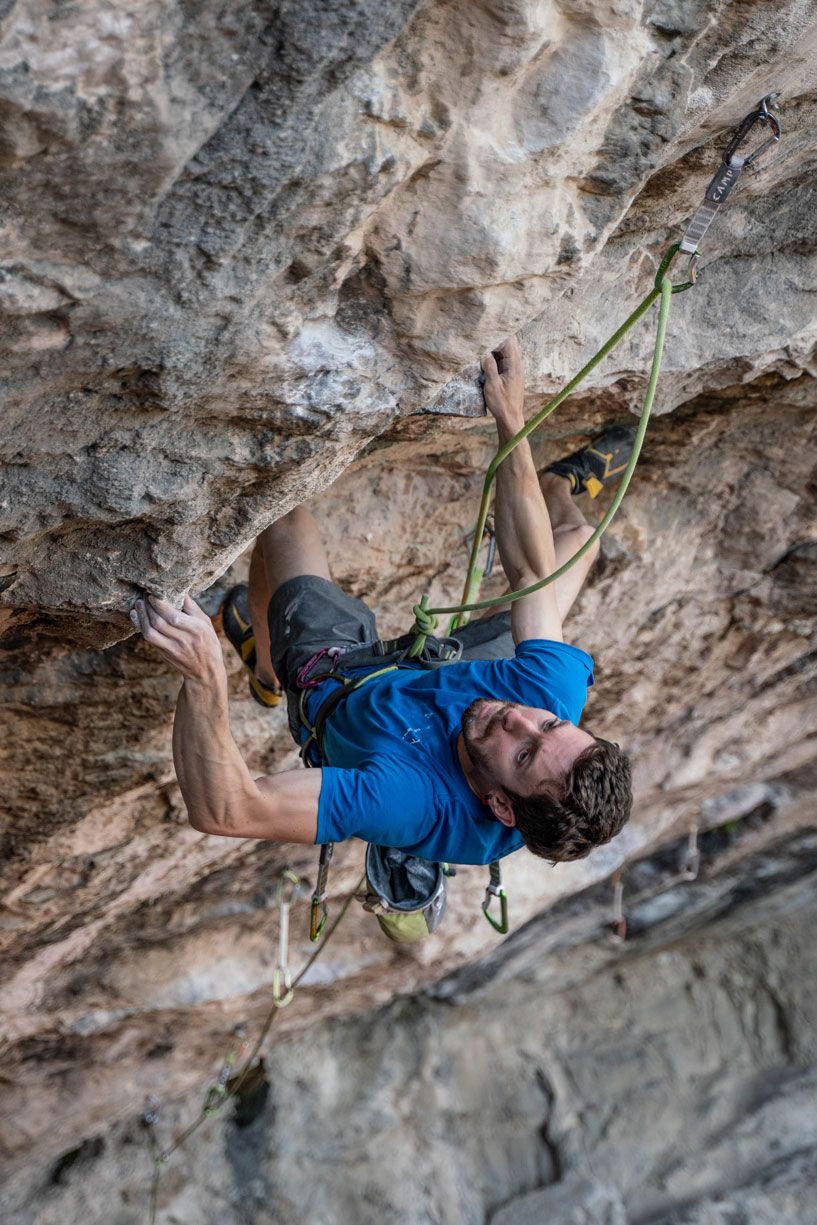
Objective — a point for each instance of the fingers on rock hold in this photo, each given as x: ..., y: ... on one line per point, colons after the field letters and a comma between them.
x: 489, y: 366
x: 190, y: 606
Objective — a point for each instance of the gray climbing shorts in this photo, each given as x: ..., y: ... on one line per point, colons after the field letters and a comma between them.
x: 308, y: 613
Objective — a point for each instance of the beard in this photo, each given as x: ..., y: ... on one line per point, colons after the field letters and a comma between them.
x: 476, y: 744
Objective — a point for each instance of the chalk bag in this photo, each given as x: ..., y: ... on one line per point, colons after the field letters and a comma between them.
x: 406, y: 894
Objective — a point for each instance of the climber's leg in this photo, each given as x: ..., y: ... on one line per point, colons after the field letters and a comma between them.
x: 292, y: 546
x: 570, y: 531
x: 259, y: 603
x: 490, y: 637
x: 288, y: 548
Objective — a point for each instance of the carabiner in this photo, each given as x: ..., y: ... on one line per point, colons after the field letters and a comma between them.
x: 217, y: 1093
x: 319, y: 912
x: 617, y: 927
x: 489, y: 534
x: 692, y: 269
x: 494, y: 889
x: 282, y: 992
x: 729, y: 171
x: 763, y: 115
x: 286, y: 891
x: 691, y: 861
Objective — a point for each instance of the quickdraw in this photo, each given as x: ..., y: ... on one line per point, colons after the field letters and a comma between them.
x: 731, y: 167
x: 217, y: 1092
x: 289, y: 888
x: 319, y: 912
x: 495, y: 890
x: 688, y: 869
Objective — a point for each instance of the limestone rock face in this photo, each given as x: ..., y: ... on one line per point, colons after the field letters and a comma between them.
x: 238, y: 243
x: 572, y: 1201
x: 562, y: 1079
x: 250, y: 255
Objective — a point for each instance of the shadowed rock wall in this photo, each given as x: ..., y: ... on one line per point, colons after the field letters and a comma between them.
x: 562, y: 1080
x: 250, y: 254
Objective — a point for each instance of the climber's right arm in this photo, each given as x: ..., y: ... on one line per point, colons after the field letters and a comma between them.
x: 220, y: 793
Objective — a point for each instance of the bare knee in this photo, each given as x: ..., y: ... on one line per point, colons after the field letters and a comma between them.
x: 583, y: 534
x: 569, y: 540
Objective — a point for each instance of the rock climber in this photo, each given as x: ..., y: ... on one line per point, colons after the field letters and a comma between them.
x: 464, y: 762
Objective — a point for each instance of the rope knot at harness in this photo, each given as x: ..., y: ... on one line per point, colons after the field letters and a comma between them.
x: 425, y: 623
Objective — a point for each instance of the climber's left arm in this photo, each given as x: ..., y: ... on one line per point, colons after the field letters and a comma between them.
x: 523, y: 529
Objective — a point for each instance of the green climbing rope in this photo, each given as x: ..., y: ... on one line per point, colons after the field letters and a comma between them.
x: 426, y: 618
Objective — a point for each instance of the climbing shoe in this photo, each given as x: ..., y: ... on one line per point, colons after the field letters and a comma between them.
x: 235, y: 617
x: 589, y: 469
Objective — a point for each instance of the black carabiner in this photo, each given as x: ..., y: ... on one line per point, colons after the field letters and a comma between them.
x: 763, y: 115
x: 732, y: 163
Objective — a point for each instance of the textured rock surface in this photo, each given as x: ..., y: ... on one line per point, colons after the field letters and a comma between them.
x: 237, y: 242
x: 250, y: 249
x: 572, y: 1201
x: 670, y: 1082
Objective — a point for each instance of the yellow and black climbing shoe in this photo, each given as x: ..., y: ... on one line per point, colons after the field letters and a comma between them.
x: 603, y: 459
x: 235, y: 617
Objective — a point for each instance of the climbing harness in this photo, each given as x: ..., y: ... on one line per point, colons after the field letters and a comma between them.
x: 345, y: 667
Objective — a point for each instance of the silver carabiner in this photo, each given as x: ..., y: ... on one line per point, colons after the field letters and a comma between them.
x: 287, y: 889
x: 761, y: 114
x: 691, y: 862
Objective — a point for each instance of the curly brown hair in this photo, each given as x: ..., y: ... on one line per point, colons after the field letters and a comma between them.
x: 590, y: 807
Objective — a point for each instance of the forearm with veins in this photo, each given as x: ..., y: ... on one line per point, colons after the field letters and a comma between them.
x: 523, y: 530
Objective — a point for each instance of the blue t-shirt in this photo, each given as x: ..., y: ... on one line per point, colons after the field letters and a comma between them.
x: 392, y: 775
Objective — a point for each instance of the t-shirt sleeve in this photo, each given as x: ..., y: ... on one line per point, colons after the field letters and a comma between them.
x: 560, y: 673
x: 386, y: 801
